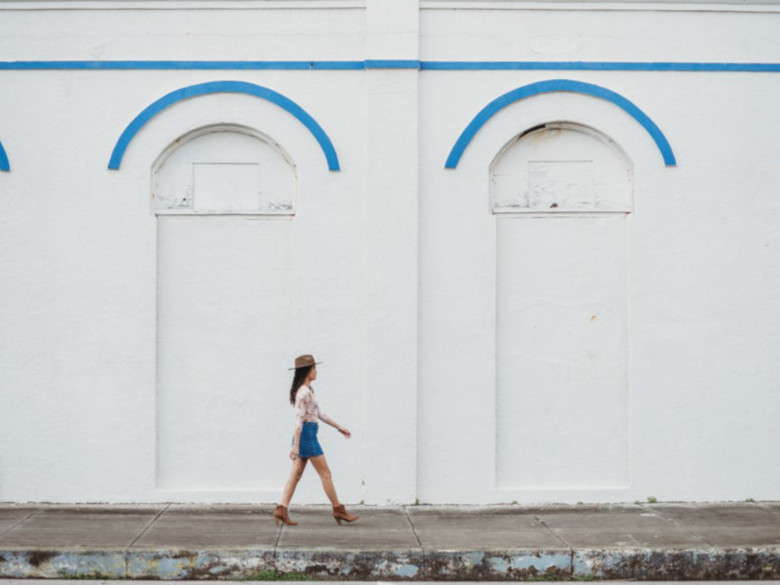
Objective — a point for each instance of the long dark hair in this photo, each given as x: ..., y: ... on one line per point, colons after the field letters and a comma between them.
x: 298, y: 378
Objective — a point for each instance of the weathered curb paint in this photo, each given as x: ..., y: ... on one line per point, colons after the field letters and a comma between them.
x: 66, y: 564
x: 515, y: 565
x: 353, y: 565
x: 198, y: 564
x: 643, y: 564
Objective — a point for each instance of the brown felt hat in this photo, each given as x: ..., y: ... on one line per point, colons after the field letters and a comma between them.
x: 303, y: 361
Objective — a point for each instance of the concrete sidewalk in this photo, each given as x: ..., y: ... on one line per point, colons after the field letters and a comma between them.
x: 464, y: 543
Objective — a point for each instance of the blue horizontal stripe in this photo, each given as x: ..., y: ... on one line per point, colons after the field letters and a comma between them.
x: 395, y: 64
x: 594, y: 66
x: 391, y: 64
x: 153, y: 65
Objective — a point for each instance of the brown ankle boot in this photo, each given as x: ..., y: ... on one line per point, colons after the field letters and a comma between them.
x: 340, y: 513
x: 280, y: 513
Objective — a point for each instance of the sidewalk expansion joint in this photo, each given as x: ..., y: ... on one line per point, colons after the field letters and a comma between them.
x: 148, y: 526
x: 551, y: 531
x: 563, y: 542
x: 278, y: 538
x: 681, y: 526
x: 30, y: 515
x: 424, y: 570
x: 414, y: 531
x: 137, y: 538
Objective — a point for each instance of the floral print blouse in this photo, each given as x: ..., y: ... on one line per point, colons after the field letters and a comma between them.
x: 306, y: 408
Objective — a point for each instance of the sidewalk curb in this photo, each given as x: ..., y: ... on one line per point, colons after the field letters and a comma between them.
x: 497, y: 565
x: 718, y: 564
x: 757, y: 563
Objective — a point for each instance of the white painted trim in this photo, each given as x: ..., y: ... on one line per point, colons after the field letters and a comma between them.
x: 182, y: 4
x: 758, y: 6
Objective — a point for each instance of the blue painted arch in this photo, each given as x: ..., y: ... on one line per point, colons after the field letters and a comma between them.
x: 224, y: 87
x: 556, y: 85
x: 4, y: 164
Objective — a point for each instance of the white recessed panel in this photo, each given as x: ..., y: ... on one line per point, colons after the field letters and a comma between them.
x: 562, y: 395
x: 224, y: 310
x: 224, y: 315
x: 225, y: 186
x: 224, y: 170
x: 560, y: 168
x: 561, y: 310
x: 566, y: 184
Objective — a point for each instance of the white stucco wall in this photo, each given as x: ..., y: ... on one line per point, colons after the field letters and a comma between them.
x: 392, y: 266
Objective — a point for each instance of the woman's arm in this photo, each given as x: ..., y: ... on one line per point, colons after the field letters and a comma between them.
x: 326, y: 419
x: 296, y: 444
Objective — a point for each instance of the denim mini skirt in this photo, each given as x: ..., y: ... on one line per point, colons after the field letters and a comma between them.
x: 309, y: 446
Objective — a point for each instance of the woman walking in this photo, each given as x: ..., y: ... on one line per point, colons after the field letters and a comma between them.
x: 305, y: 446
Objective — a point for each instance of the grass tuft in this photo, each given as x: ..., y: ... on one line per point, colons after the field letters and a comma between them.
x: 94, y: 575
x: 272, y: 575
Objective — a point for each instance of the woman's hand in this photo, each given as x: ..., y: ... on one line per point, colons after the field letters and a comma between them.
x: 294, y: 453
x: 345, y: 432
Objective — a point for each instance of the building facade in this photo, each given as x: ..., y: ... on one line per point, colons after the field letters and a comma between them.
x: 535, y: 244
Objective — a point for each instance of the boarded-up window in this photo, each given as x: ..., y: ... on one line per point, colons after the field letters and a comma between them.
x: 560, y: 168
x: 225, y: 170
x: 224, y: 310
x: 560, y: 194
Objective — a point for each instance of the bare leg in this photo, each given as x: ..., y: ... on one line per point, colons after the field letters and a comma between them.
x: 292, y: 482
x: 321, y: 465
